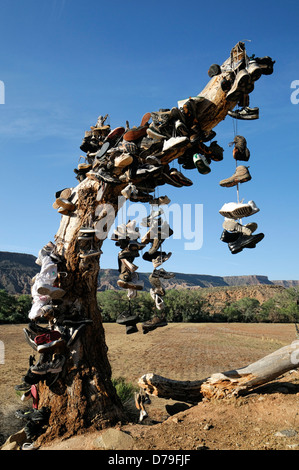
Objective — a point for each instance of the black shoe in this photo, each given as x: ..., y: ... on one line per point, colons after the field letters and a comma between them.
x: 246, y: 113
x: 245, y: 241
x: 214, y: 69
x: 131, y: 329
x: 127, y: 319
x: 230, y: 237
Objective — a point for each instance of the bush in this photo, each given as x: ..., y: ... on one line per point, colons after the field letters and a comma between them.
x: 125, y: 390
x: 14, y: 309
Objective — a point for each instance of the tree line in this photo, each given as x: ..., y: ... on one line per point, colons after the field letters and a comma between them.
x: 180, y: 306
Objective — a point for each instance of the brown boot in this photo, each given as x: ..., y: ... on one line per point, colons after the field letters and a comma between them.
x: 241, y: 175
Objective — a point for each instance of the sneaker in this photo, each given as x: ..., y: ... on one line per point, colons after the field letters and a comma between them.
x: 160, y: 259
x: 254, y: 70
x: 135, y: 133
x: 29, y: 336
x: 123, y: 160
x: 161, y: 273
x: 234, y: 226
x: 241, y: 175
x: 52, y: 367
x: 240, y: 86
x: 245, y: 113
x: 135, y: 283
x: 53, y: 292
x: 180, y: 178
x: 168, y: 179
x: 266, y: 64
x: 155, y: 134
x: 174, y: 143
x: 201, y: 163
x: 49, y: 343
x: 233, y: 210
x: 159, y: 302
x: 155, y: 322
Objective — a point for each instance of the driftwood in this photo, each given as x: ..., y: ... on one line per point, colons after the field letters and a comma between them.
x: 225, y: 384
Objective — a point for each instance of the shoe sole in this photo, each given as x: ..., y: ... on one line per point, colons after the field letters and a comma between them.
x: 129, y: 285
x: 247, y: 244
x: 236, y: 227
x: 230, y: 184
x: 55, y: 294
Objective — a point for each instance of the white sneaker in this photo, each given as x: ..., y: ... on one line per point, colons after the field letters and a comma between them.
x: 174, y: 142
x: 234, y: 210
x: 159, y: 302
x: 255, y: 209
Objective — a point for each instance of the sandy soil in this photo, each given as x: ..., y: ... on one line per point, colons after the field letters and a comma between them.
x: 265, y: 419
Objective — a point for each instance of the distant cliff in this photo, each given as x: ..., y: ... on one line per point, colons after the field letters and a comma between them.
x: 18, y: 269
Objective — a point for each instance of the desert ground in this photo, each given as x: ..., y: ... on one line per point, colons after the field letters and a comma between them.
x: 265, y: 419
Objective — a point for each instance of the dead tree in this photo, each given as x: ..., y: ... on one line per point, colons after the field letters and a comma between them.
x: 84, y: 396
x: 225, y: 384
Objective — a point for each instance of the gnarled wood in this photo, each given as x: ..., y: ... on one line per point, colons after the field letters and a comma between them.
x: 225, y: 384
x: 84, y: 396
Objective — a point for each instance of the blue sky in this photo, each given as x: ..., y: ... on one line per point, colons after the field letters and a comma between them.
x: 65, y: 62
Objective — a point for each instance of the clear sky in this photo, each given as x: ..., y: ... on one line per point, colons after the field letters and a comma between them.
x: 65, y: 62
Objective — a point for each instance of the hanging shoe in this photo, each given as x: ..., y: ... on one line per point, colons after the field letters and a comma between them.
x: 51, y: 291
x: 254, y: 70
x: 245, y: 241
x: 241, y: 175
x: 245, y: 113
x: 201, y: 163
x: 161, y: 273
x: 155, y: 322
x: 240, y: 151
x: 240, y: 86
x: 234, y: 226
x: 127, y: 318
x: 160, y: 259
x: 238, y: 210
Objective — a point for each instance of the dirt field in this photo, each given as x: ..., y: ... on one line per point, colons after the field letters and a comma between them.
x: 266, y: 419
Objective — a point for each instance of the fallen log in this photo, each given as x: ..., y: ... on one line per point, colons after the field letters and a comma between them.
x: 225, y: 384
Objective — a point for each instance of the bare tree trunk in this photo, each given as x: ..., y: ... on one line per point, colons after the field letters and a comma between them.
x: 225, y: 384
x: 83, y: 396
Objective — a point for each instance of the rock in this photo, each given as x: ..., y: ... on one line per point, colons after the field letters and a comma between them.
x: 114, y: 439
x: 286, y: 433
x: 207, y: 427
x: 15, y: 441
